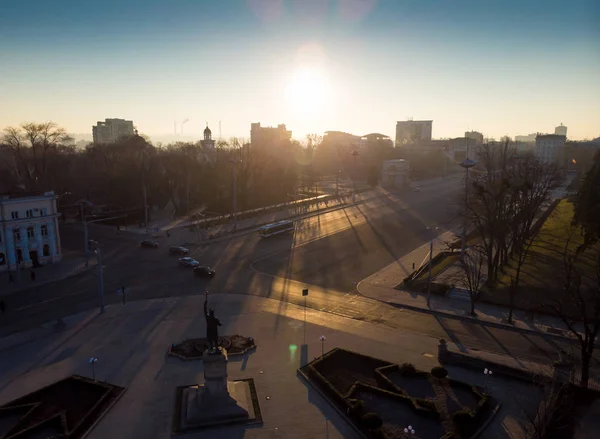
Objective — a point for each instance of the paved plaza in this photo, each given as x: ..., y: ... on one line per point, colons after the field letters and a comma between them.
x: 131, y: 342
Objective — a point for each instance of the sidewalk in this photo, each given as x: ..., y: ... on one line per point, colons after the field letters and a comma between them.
x: 381, y: 286
x: 44, y: 275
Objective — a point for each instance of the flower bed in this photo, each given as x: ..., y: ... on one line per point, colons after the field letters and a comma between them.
x: 363, y: 387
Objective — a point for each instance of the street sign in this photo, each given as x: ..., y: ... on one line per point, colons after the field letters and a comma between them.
x: 305, y: 292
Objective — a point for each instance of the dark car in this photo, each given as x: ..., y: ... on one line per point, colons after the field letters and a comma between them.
x: 188, y: 262
x: 149, y: 243
x: 204, y: 271
x: 178, y: 250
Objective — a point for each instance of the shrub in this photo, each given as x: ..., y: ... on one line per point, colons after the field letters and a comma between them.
x: 407, y: 369
x: 356, y: 409
x: 439, y: 372
x: 371, y: 421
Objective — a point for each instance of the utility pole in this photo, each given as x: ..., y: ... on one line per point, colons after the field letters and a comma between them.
x: 354, y: 154
x: 18, y: 265
x: 86, y: 245
x: 101, y: 280
x: 235, y: 162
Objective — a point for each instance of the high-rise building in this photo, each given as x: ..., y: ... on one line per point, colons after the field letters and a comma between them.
x: 264, y: 136
x: 561, y: 130
x: 111, y: 130
x: 478, y: 137
x: 413, y: 131
x: 549, y: 147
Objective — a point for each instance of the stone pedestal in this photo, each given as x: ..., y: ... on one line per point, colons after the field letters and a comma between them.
x: 217, y: 401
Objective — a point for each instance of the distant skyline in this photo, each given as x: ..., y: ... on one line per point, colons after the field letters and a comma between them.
x: 500, y: 68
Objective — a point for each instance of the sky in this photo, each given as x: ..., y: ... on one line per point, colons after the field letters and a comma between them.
x: 499, y: 67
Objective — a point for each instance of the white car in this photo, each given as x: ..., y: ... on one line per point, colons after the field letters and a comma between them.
x: 416, y: 189
x: 188, y: 262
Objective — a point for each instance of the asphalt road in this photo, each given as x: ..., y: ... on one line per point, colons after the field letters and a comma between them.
x: 329, y: 254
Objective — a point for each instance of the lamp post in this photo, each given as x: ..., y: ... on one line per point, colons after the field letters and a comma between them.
x: 100, y: 275
x: 93, y: 361
x: 354, y: 154
x: 235, y: 162
x: 467, y: 163
x: 430, y: 260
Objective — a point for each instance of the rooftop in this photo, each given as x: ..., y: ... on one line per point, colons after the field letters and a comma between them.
x: 25, y: 194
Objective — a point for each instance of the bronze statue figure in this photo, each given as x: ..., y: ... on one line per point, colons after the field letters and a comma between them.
x: 212, y: 325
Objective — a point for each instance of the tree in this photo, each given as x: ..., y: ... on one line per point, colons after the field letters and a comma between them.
x: 505, y: 199
x: 587, y: 204
x: 471, y: 274
x: 580, y: 303
x: 32, y: 144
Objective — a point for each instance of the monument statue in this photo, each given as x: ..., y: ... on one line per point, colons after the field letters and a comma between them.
x: 212, y: 326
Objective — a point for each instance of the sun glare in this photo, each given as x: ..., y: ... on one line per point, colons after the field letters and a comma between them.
x: 308, y: 90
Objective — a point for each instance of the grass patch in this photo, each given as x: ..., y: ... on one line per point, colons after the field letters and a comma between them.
x: 542, y: 273
x: 544, y: 265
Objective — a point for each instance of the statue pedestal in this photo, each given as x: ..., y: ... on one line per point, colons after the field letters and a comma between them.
x: 218, y: 400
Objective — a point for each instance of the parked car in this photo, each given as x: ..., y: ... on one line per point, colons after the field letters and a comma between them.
x: 178, y: 250
x: 416, y: 189
x: 204, y: 271
x: 188, y: 262
x: 149, y: 243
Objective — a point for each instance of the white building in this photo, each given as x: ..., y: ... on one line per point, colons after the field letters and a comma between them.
x: 549, y: 147
x: 413, y: 131
x: 28, y: 230
x: 395, y: 173
x: 112, y: 130
x: 561, y: 130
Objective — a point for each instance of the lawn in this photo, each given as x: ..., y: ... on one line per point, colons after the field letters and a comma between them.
x: 543, y: 269
x: 439, y: 266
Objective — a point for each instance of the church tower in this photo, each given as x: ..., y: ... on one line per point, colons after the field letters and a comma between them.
x: 208, y: 143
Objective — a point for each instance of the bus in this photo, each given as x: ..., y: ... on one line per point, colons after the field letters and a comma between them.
x: 276, y: 228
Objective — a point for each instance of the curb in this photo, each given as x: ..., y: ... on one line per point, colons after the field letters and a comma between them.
x: 504, y: 326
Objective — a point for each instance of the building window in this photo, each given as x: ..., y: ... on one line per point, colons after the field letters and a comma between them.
x: 29, y: 213
x: 17, y: 235
x: 46, y: 250
x: 44, y: 230
x: 19, y: 255
x: 14, y: 214
x: 43, y: 211
x: 30, y: 232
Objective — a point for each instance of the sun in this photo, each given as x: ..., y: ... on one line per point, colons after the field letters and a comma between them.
x: 308, y: 90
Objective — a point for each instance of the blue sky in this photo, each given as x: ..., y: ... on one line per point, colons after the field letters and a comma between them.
x: 499, y: 67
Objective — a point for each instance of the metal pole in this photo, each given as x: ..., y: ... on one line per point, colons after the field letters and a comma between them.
x: 86, y: 245
x: 145, y: 207
x: 100, y: 280
x: 354, y: 181
x: 18, y: 265
x: 234, y: 196
x: 429, y: 277
x: 464, y: 232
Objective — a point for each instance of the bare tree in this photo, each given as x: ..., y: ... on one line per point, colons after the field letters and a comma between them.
x: 31, y: 145
x: 471, y: 273
x: 579, y: 305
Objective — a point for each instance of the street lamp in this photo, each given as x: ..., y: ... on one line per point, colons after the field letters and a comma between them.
x: 467, y: 163
x: 354, y: 154
x: 235, y: 163
x: 430, y: 260
x: 93, y: 361
x: 100, y: 275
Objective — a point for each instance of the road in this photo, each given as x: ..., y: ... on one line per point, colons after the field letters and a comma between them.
x: 329, y: 254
